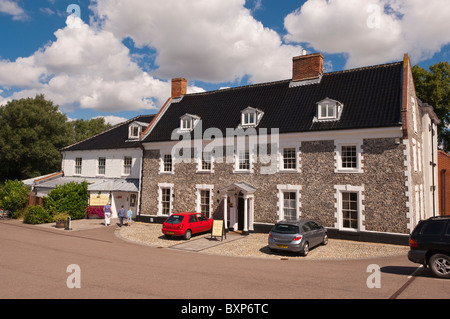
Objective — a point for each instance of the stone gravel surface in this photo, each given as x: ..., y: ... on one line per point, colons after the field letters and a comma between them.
x: 255, y: 245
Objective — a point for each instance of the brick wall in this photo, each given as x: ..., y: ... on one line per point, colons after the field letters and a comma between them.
x: 444, y: 182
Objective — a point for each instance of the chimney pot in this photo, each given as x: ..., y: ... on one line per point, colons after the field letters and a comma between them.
x: 306, y: 67
x: 179, y: 87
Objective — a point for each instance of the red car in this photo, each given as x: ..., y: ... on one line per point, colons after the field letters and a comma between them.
x: 186, y: 224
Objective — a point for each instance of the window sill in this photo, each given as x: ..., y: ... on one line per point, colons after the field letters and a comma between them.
x: 349, y: 171
x: 289, y: 171
x: 243, y: 171
x: 166, y: 173
x: 204, y: 171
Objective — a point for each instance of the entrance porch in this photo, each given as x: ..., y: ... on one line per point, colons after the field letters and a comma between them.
x: 238, y: 208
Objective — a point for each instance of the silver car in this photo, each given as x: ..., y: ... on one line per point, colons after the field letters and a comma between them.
x: 297, y: 236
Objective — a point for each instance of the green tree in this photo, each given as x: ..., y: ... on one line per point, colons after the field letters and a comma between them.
x: 433, y: 87
x: 84, y: 129
x: 14, y: 197
x: 32, y: 131
x: 71, y: 198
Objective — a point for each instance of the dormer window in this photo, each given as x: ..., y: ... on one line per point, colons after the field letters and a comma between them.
x: 188, y: 122
x: 135, y: 129
x: 251, y: 117
x: 329, y: 109
x: 134, y: 132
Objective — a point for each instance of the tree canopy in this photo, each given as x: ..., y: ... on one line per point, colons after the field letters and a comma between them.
x: 32, y: 131
x: 433, y: 87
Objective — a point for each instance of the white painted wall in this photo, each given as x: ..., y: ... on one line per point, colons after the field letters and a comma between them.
x: 114, y: 163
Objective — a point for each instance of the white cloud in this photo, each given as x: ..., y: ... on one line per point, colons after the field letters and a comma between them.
x: 12, y: 8
x: 372, y: 31
x: 87, y: 67
x: 212, y: 41
x: 113, y: 120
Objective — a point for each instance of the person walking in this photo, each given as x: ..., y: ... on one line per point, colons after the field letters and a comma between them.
x: 107, y: 208
x: 129, y: 216
x: 121, y: 216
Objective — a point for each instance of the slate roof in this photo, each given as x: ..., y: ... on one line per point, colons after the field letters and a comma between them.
x: 371, y: 97
x: 114, y: 138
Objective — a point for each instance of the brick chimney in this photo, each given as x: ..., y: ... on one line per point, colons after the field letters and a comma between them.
x: 306, y: 67
x: 179, y: 87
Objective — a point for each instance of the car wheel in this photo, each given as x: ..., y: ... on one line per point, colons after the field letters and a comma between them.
x: 305, y: 249
x: 325, y: 240
x: 187, y: 234
x: 440, y: 265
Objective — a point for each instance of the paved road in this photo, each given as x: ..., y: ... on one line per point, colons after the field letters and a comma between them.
x: 34, y: 263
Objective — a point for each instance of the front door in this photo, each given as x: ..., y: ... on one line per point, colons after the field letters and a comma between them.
x: 241, y: 203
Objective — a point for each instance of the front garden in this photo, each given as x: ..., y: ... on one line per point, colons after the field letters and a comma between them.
x: 68, y: 200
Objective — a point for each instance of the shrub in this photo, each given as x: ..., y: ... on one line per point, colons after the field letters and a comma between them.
x: 71, y: 198
x: 36, y: 215
x: 14, y: 197
x: 60, y: 217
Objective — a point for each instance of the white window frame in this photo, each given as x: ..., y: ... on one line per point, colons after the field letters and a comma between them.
x: 327, y: 106
x: 250, y: 117
x: 188, y: 122
x: 101, y: 167
x: 297, y: 159
x: 162, y: 186
x: 131, y: 133
x: 200, y: 168
x: 127, y: 165
x: 338, y: 156
x: 237, y: 162
x: 162, y: 164
x: 198, y: 201
x: 78, y: 166
x: 288, y: 189
x: 414, y: 151
x: 340, y: 189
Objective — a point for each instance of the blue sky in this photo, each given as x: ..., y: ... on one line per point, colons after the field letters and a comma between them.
x: 118, y: 61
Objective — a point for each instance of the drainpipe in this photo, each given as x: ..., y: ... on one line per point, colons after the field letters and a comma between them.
x: 443, y: 186
x: 141, y: 173
x: 433, y: 165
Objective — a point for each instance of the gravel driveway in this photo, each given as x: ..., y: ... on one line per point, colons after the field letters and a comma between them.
x: 255, y: 245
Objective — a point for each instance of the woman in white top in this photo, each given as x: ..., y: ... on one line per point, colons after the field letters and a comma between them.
x: 107, y: 214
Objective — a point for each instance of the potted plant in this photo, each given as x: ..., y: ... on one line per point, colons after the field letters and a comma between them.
x: 60, y: 219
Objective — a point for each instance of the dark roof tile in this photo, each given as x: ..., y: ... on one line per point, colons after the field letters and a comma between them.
x: 371, y: 98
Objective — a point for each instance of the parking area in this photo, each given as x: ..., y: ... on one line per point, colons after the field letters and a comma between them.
x: 255, y: 245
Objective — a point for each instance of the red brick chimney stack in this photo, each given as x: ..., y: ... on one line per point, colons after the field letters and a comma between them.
x: 306, y: 67
x: 179, y: 87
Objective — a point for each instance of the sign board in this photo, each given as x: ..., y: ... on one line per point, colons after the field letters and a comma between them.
x: 218, y: 229
x: 98, y: 200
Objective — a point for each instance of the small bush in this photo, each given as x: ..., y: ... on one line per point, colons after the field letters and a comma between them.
x: 61, y: 217
x: 36, y: 215
x: 71, y: 198
x: 14, y: 197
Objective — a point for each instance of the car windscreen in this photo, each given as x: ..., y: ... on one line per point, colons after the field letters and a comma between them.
x: 175, y: 219
x: 285, y: 229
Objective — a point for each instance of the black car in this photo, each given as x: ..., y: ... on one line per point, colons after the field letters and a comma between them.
x: 430, y: 245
